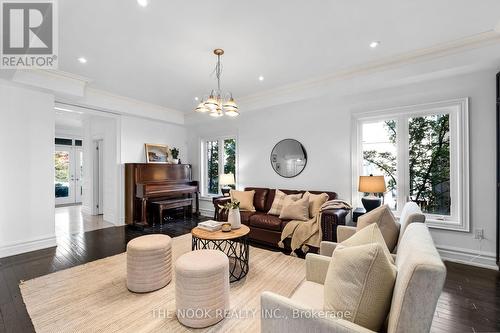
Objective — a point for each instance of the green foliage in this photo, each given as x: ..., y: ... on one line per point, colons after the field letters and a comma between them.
x: 429, y: 162
x: 61, y: 162
x: 230, y: 154
x: 230, y: 205
x: 175, y: 152
x: 229, y: 146
x: 213, y: 166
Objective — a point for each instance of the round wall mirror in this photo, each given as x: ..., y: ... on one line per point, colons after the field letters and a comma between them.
x: 288, y: 158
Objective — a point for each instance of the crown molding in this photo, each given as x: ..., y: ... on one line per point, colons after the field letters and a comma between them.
x: 57, y: 82
x: 102, y: 100
x: 451, y: 48
x: 63, y: 75
x: 73, y: 89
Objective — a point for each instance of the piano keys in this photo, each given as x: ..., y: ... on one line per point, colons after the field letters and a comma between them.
x: 145, y: 183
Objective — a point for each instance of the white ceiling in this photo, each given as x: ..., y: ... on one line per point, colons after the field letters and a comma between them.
x: 162, y: 54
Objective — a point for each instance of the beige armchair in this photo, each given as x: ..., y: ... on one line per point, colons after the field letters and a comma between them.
x: 411, y: 213
x: 419, y: 283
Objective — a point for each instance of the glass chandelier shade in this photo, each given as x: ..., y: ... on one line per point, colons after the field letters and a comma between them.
x: 202, y: 108
x: 218, y: 103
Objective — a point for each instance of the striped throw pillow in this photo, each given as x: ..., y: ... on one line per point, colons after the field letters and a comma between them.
x: 279, y: 200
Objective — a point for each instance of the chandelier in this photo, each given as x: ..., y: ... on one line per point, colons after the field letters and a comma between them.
x: 218, y: 103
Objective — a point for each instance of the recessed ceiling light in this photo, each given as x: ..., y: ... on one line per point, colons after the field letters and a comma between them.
x: 196, y: 99
x: 82, y: 60
x: 143, y: 3
x: 374, y: 44
x: 261, y: 78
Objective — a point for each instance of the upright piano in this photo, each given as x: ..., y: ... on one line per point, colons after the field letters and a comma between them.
x: 146, y: 182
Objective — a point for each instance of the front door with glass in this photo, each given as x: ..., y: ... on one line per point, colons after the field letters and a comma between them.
x: 68, y: 175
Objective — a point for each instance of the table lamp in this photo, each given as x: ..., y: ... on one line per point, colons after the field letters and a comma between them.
x: 371, y: 184
x: 225, y: 180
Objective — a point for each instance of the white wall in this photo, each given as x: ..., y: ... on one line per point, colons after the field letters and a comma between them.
x: 106, y: 129
x: 135, y: 132
x: 26, y: 170
x: 323, y: 125
x: 27, y: 129
x: 69, y: 132
x: 124, y: 138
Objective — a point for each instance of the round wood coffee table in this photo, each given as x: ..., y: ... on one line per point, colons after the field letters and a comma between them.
x: 233, y: 243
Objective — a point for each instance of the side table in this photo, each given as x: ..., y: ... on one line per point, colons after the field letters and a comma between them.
x: 357, y: 213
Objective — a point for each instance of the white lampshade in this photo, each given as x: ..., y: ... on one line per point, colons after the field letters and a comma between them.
x: 232, y: 113
x: 201, y: 108
x: 372, y: 184
x: 212, y: 103
x: 226, y: 179
x: 216, y: 113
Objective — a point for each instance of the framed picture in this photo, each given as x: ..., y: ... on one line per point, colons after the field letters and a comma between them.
x: 156, y: 153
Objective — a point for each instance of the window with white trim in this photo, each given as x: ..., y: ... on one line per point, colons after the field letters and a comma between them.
x: 422, y: 151
x: 218, y: 156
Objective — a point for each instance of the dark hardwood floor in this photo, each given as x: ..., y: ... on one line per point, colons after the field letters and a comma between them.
x: 470, y: 301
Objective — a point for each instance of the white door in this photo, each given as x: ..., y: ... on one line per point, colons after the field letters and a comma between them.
x: 64, y: 175
x: 68, y: 175
x: 98, y: 180
x: 78, y: 174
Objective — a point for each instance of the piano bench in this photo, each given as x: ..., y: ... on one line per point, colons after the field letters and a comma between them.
x: 162, y: 205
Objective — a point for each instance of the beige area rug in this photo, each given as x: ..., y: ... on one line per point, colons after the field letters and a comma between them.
x: 94, y: 297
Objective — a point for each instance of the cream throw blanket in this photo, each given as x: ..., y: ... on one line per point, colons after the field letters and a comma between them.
x: 308, y: 233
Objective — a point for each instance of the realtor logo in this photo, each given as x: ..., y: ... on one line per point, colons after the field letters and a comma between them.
x: 29, y: 34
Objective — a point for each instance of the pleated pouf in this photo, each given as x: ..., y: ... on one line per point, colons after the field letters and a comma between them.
x: 202, y: 288
x: 149, y: 263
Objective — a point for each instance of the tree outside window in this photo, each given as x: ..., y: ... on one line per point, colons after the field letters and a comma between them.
x: 230, y: 156
x: 219, y: 157
x: 429, y: 160
x: 212, y: 167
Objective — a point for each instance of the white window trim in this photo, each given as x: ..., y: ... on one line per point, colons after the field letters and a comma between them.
x: 204, y: 163
x: 459, y: 128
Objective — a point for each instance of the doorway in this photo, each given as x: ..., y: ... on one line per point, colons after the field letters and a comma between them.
x: 98, y: 178
x: 68, y: 175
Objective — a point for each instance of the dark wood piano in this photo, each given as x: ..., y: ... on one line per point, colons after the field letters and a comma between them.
x: 147, y: 183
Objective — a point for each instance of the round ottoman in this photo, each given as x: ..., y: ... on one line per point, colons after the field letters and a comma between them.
x: 202, y: 288
x: 149, y: 263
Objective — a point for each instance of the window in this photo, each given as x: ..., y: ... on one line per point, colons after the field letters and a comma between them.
x: 219, y: 157
x: 63, y: 142
x: 423, y: 153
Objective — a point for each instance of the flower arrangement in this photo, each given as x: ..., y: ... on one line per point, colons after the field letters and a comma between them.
x: 230, y: 205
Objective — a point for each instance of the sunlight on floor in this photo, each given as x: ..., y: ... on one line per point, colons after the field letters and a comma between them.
x: 71, y: 220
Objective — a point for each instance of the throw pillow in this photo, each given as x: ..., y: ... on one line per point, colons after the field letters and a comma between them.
x: 295, y: 210
x: 278, y: 202
x: 368, y: 235
x: 386, y: 222
x: 245, y: 198
x: 359, y: 282
x: 315, y: 202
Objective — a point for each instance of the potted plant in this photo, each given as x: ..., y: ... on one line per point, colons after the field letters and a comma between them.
x: 175, y: 155
x: 233, y: 213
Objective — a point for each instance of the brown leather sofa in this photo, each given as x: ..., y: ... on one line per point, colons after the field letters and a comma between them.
x: 266, y: 229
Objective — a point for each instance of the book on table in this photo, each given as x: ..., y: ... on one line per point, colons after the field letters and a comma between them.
x: 210, y: 225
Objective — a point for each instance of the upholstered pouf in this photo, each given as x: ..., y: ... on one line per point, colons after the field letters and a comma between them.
x: 149, y: 263
x: 201, y: 287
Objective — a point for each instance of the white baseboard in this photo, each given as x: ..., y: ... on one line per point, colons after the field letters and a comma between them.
x: 86, y: 210
x: 468, y: 257
x: 207, y: 212
x: 110, y: 217
x: 27, y: 246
